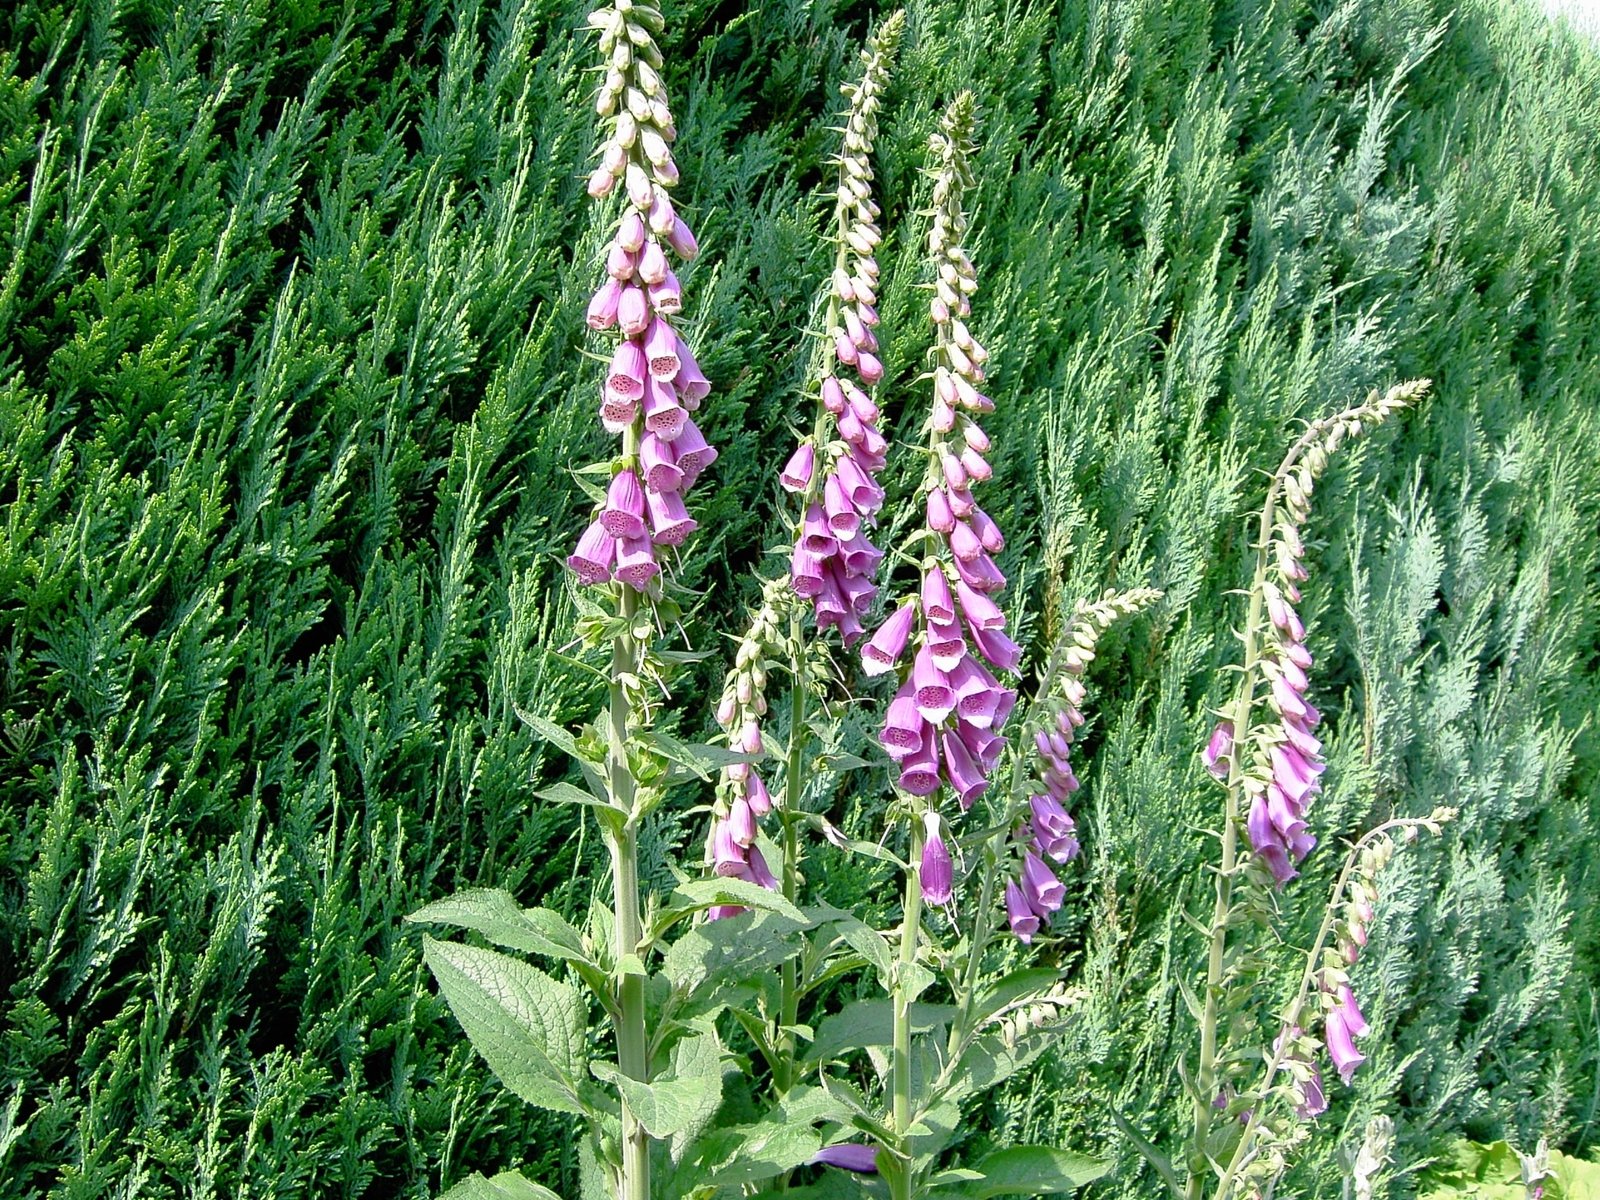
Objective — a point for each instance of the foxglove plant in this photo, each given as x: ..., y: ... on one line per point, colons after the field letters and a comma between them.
x: 651, y: 1109
x: 1266, y: 755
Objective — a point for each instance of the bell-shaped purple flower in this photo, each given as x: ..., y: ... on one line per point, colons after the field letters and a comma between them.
x: 623, y: 515
x: 1001, y: 652
x: 903, y: 726
x: 1218, y: 750
x: 1341, y: 1049
x: 919, y: 770
x: 796, y: 474
x: 1019, y: 913
x: 937, y: 603
x: 1054, y: 831
x: 849, y: 1157
x: 1040, y: 885
x: 596, y: 551
x: 966, y: 779
x: 670, y: 522
x: 934, y: 696
x: 935, y: 873
x: 882, y: 653
x: 636, y: 562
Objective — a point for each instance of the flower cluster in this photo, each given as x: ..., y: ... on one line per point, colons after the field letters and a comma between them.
x: 1285, y: 760
x: 1055, y: 718
x: 834, y: 562
x: 653, y: 382
x: 943, y: 725
x: 1342, y: 1020
x: 731, y: 847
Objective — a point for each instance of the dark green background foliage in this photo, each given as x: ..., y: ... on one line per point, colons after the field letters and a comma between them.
x: 292, y: 372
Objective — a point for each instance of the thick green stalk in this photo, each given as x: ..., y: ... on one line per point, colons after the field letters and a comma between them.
x: 632, y: 1039
x: 783, y: 1073
x: 900, y: 1068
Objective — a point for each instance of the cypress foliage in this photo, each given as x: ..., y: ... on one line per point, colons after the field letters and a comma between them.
x: 291, y: 377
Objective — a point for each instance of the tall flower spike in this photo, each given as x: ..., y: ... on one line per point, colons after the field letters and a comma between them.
x: 1282, y: 763
x: 1053, y: 722
x: 949, y: 734
x: 653, y: 382
x: 845, y: 443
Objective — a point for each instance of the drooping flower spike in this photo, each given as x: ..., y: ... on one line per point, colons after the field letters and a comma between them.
x: 834, y: 471
x: 1277, y: 761
x: 653, y: 383
x: 1049, y: 833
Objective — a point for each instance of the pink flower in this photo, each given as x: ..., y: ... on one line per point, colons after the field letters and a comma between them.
x: 934, y: 873
x: 882, y: 653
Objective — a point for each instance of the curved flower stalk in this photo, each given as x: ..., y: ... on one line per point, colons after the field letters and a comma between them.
x: 1271, y: 770
x: 834, y: 470
x: 1051, y: 727
x: 652, y: 383
x: 1269, y: 1131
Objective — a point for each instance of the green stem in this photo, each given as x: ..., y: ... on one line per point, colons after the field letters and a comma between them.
x: 632, y: 1041
x: 783, y: 1070
x: 900, y: 1069
x: 1222, y: 910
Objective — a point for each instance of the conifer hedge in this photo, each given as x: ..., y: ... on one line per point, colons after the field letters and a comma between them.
x: 292, y: 372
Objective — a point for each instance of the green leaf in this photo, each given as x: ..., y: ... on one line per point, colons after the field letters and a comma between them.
x: 495, y: 914
x: 668, y: 1106
x: 697, y: 894
x: 508, y: 1185
x: 860, y: 937
x: 746, y: 1154
x: 528, y: 1027
x: 867, y: 1023
x: 566, y: 793
x: 1018, y: 985
x: 729, y: 951
x: 1028, y: 1171
x: 697, y: 757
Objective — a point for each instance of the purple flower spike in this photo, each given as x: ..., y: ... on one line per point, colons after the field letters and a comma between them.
x: 1341, y: 1049
x: 1040, y: 885
x: 849, y: 1157
x: 1024, y: 921
x: 592, y: 559
x: 882, y: 653
x: 935, y: 873
x: 623, y: 516
x: 796, y: 474
x: 1219, y: 749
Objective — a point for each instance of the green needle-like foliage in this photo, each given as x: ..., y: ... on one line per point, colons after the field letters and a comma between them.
x: 291, y: 380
